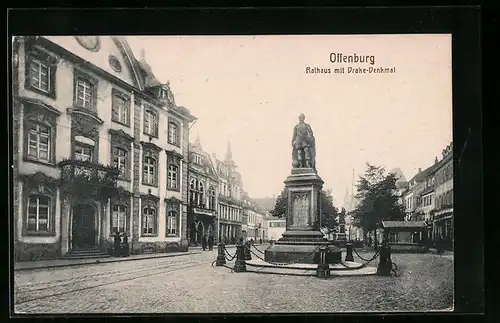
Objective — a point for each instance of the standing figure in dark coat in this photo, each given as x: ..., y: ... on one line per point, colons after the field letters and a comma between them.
x: 210, y: 243
x: 117, y: 245
x: 204, y: 242
x: 125, y: 246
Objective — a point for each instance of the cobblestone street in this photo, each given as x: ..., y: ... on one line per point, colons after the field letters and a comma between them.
x: 190, y: 284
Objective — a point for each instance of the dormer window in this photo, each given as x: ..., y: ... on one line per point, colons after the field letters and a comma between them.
x: 197, y: 159
x: 163, y: 93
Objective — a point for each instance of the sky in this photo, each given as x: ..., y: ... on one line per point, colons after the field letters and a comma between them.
x: 250, y: 90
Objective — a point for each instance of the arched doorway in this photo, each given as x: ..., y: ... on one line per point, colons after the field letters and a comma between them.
x: 197, y: 232
x: 83, y: 226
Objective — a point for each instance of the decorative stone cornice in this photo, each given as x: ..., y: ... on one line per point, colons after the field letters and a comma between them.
x: 86, y: 113
x: 38, y: 104
x: 174, y: 153
x: 39, y: 178
x: 173, y: 200
x: 123, y: 193
x: 120, y: 133
x: 150, y: 146
x: 84, y: 122
x: 150, y: 196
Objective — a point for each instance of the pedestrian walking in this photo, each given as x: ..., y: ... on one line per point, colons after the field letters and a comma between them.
x: 204, y: 243
x: 260, y: 241
x: 210, y: 243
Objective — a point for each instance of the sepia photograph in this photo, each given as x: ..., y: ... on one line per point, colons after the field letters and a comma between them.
x: 232, y: 174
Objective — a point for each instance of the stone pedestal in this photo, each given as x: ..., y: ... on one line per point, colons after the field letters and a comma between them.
x: 302, y: 239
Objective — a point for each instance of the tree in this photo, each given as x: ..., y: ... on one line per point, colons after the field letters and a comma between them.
x: 328, y: 214
x: 377, y: 199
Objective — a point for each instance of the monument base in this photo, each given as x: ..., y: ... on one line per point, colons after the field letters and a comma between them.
x: 301, y: 240
x: 302, y: 252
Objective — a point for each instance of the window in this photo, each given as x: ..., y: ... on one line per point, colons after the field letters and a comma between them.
x: 40, y: 71
x: 201, y: 195
x: 120, y: 109
x: 149, y: 220
x: 197, y: 159
x: 39, y: 141
x: 83, y: 153
x: 150, y: 123
x: 119, y: 218
x: 38, y: 213
x: 211, y: 198
x: 40, y: 75
x: 192, y: 191
x: 171, y: 222
x: 173, y: 134
x: 173, y: 175
x: 120, y: 161
x: 149, y: 173
x: 84, y: 96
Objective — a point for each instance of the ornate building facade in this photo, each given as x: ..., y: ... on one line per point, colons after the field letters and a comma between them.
x: 203, y: 195
x: 429, y: 197
x: 253, y: 218
x: 443, y: 214
x: 229, y: 208
x: 100, y: 148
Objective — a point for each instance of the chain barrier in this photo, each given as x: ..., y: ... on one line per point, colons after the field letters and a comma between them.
x: 357, y: 254
x: 394, y: 270
x: 262, y: 252
x: 227, y: 255
x: 223, y: 266
x: 284, y: 263
x: 362, y: 265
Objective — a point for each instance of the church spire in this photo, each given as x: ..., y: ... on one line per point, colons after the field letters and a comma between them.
x: 229, y: 154
x: 197, y: 142
x: 346, y: 198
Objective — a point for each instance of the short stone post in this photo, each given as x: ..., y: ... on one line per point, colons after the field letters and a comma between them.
x: 248, y: 255
x: 323, y: 269
x: 239, y: 264
x: 385, y: 263
x: 221, y: 259
x: 348, y: 256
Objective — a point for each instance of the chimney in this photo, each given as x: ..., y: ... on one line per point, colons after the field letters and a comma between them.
x: 143, y: 55
x: 419, y: 170
x: 435, y: 160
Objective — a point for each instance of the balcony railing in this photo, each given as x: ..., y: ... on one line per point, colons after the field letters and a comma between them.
x: 88, y: 173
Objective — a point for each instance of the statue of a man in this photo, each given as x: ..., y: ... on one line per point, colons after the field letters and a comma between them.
x: 303, y: 143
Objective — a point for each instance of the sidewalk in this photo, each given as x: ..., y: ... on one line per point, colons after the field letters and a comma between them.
x: 44, y: 264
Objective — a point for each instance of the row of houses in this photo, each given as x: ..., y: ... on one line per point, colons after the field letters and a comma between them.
x: 220, y: 206
x: 100, y: 149
x: 429, y: 197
